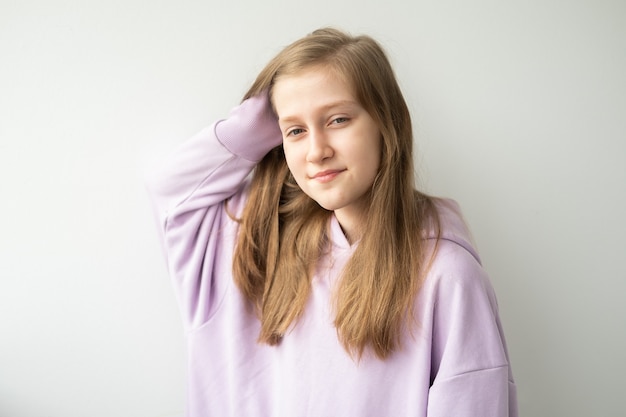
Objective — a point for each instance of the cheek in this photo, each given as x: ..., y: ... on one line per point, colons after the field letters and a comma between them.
x: 374, y: 152
x: 291, y: 156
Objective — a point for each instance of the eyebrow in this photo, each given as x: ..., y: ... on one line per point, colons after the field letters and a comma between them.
x: 326, y: 107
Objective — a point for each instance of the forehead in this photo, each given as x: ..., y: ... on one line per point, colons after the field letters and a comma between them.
x: 311, y: 88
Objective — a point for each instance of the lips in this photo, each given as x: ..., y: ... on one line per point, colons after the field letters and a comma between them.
x: 327, y: 175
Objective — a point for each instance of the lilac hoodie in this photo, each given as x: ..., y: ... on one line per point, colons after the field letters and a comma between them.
x: 454, y: 364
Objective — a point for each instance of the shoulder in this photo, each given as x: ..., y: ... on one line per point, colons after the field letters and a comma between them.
x: 455, y: 272
x: 456, y: 275
x: 452, y: 227
x: 458, y: 304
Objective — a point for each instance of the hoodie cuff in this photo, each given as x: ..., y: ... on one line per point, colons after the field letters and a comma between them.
x: 251, y: 129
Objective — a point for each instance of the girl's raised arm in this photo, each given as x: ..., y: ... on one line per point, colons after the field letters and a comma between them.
x: 188, y: 193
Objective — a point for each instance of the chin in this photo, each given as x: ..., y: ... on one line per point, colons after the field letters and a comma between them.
x: 327, y: 205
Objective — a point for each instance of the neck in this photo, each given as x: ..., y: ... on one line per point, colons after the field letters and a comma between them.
x: 351, y: 224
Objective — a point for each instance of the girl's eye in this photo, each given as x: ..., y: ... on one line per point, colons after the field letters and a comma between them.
x: 295, y: 132
x: 339, y: 120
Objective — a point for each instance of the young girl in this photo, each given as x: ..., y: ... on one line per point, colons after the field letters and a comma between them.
x: 323, y: 284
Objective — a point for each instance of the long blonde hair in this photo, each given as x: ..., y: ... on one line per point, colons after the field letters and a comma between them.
x: 284, y: 232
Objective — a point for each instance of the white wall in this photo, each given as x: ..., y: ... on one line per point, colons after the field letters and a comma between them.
x: 520, y: 111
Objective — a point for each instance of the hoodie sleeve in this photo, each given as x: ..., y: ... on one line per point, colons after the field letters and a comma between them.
x: 470, y: 371
x: 188, y: 193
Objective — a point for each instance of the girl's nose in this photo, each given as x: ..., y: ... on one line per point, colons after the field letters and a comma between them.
x: 319, y: 148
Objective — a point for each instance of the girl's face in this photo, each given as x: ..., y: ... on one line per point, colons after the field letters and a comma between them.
x: 332, y: 145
